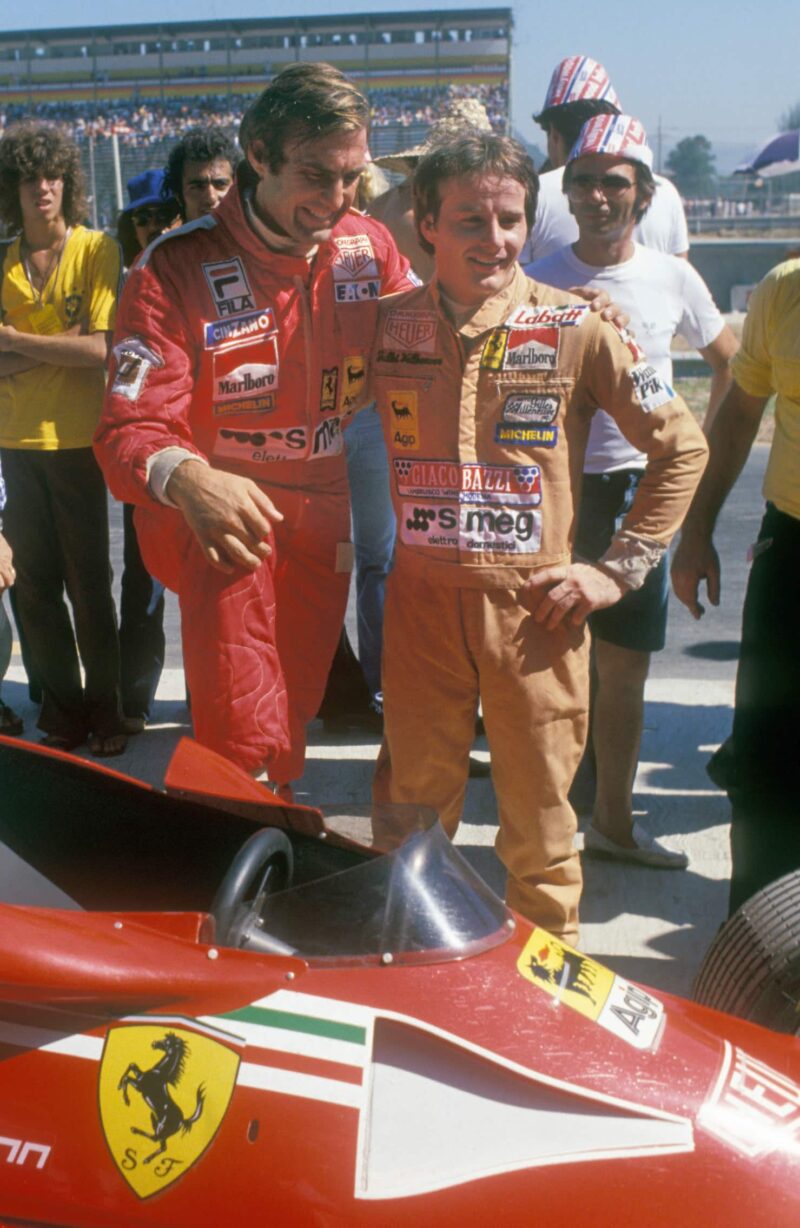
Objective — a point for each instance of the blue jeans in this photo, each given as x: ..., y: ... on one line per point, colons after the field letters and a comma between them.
x: 141, y: 627
x: 373, y: 535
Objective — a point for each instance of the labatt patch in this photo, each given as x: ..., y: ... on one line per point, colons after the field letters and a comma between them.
x: 164, y: 1089
x: 624, y: 1009
x: 570, y: 315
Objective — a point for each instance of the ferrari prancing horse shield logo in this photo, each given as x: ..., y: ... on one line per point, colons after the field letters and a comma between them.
x: 164, y: 1090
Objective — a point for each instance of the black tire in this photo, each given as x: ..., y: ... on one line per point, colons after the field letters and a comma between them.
x: 752, y: 968
x: 263, y: 865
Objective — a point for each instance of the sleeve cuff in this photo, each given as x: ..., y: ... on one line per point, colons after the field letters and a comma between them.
x: 160, y: 468
x: 629, y: 559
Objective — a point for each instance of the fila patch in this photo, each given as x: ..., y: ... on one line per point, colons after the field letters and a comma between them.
x: 230, y: 289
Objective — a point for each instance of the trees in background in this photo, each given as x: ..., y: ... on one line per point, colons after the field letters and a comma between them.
x: 691, y: 165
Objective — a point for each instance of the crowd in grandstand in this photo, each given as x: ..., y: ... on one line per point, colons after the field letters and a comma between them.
x: 144, y: 123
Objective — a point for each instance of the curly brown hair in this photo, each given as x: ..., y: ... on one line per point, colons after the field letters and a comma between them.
x: 29, y: 149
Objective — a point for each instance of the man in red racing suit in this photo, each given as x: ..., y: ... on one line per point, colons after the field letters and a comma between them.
x: 240, y: 345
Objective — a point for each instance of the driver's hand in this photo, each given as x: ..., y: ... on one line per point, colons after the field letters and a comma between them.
x: 230, y: 516
x: 600, y: 300
x: 559, y: 595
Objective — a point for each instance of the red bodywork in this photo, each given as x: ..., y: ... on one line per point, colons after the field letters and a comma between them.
x: 446, y: 1093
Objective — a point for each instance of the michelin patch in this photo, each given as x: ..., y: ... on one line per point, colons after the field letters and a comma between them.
x: 471, y: 528
x: 251, y: 326
x: 650, y: 390
x: 411, y: 330
x: 526, y: 436
x: 468, y: 482
x: 243, y: 385
x: 404, y: 420
x: 135, y: 360
x: 230, y: 290
x: 257, y: 446
x: 532, y: 408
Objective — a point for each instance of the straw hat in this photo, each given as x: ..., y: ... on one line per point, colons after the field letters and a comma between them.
x: 462, y: 115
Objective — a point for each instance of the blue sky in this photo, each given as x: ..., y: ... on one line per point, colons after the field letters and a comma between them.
x: 723, y: 68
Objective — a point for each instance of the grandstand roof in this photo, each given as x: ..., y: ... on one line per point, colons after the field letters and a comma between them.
x: 109, y: 31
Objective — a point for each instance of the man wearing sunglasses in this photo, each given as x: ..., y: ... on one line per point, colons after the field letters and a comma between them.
x: 608, y: 186
x: 580, y: 89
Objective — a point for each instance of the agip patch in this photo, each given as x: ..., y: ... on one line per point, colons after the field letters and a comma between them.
x: 622, y: 1008
x: 403, y: 419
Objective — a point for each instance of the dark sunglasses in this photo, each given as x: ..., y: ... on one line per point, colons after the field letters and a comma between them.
x: 156, y: 213
x: 610, y: 185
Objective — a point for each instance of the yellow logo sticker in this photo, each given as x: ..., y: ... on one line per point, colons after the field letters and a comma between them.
x: 164, y: 1090
x: 621, y: 1007
x: 494, y: 350
x: 353, y: 375
x: 566, y: 974
x: 404, y: 420
x: 327, y: 392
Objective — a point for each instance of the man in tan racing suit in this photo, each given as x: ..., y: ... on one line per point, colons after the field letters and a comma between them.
x: 486, y: 383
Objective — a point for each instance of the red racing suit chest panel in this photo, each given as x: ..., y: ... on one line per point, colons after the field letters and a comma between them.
x: 246, y: 356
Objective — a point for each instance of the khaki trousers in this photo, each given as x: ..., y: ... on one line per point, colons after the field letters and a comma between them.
x: 443, y: 649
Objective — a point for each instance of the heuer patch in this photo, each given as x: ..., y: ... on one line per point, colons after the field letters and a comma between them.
x: 650, y: 390
x: 472, y: 529
x: 530, y: 407
x: 258, y: 446
x: 355, y: 257
x: 622, y: 1008
x: 327, y: 439
x: 328, y: 387
x: 411, y: 330
x: 403, y: 419
x: 230, y: 289
x: 135, y: 360
x: 570, y: 315
x: 752, y: 1107
x: 251, y: 326
x: 353, y: 375
x: 526, y: 436
x: 243, y: 385
x: 468, y: 482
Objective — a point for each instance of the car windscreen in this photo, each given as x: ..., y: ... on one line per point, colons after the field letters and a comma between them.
x: 422, y: 901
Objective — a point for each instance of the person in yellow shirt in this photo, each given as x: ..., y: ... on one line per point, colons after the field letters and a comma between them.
x: 59, y: 292
x: 762, y: 774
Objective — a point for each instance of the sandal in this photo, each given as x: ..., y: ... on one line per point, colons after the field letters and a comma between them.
x: 62, y: 741
x: 106, y: 746
x: 11, y: 725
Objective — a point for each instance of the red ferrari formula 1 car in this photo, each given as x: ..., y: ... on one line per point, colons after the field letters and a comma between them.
x: 231, y: 1011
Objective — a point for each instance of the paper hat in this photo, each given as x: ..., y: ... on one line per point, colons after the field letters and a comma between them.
x: 578, y: 79
x: 621, y: 135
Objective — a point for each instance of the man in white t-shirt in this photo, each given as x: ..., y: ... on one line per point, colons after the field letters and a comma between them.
x: 580, y: 89
x: 608, y: 185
